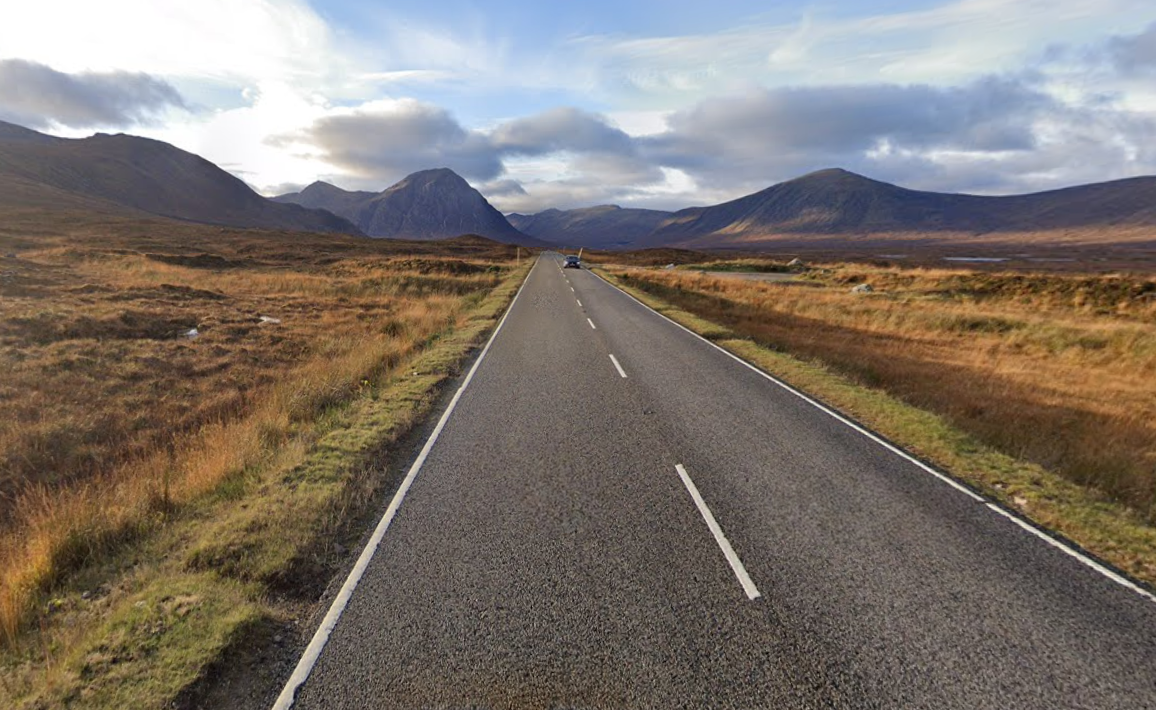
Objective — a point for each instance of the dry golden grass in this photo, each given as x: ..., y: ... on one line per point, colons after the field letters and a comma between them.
x: 111, y: 417
x: 1058, y: 370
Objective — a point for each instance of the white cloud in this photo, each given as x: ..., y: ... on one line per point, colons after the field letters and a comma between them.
x: 234, y: 41
x: 950, y: 43
x: 407, y: 76
x: 237, y: 139
x: 640, y: 123
x: 692, y: 118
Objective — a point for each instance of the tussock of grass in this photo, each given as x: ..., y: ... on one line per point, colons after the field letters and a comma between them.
x: 169, y: 626
x: 1105, y: 507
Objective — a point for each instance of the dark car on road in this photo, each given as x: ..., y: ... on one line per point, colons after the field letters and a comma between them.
x: 572, y: 262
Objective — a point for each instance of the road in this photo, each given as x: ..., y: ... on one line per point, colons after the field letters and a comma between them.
x: 553, y: 549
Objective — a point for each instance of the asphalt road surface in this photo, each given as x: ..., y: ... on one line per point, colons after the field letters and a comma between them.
x: 554, y: 550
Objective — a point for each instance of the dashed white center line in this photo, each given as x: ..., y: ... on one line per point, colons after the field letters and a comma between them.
x: 728, y: 551
x: 572, y: 290
x: 579, y: 303
x: 592, y: 324
x: 617, y: 366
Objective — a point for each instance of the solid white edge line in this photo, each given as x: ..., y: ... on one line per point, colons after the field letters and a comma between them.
x: 592, y: 324
x: 724, y: 544
x: 313, y: 651
x: 1084, y: 559
x: 617, y: 366
x: 815, y: 403
x: 1067, y: 549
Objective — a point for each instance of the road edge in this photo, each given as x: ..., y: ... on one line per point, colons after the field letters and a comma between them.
x: 1052, y: 538
x: 317, y: 643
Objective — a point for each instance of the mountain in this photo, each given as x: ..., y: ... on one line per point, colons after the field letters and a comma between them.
x: 323, y: 196
x: 122, y: 172
x: 11, y: 133
x: 601, y: 227
x: 840, y: 203
x: 431, y: 204
x: 825, y: 202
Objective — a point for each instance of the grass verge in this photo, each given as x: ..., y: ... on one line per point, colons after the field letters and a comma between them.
x: 1107, y: 528
x: 138, y: 624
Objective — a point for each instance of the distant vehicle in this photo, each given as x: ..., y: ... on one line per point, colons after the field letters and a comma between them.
x: 572, y: 262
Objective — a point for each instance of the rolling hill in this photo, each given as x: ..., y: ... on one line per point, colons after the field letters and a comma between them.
x: 431, y: 204
x: 119, y: 173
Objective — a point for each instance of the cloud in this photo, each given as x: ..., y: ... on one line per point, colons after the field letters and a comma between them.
x: 995, y: 135
x: 38, y: 96
x: 567, y: 192
x: 1134, y: 54
x: 998, y: 134
x: 560, y: 129
x: 673, y: 191
x: 235, y: 41
x: 587, y: 143
x: 773, y: 134
x: 387, y: 140
x: 283, y: 188
x: 390, y: 139
x: 944, y: 44
x: 503, y: 190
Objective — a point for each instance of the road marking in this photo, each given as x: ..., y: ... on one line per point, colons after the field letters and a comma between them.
x: 815, y: 403
x: 617, y: 366
x: 592, y: 324
x: 579, y: 303
x: 572, y: 290
x: 728, y: 551
x: 1084, y: 558
x: 321, y: 637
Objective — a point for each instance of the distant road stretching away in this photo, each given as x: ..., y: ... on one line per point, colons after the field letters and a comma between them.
x: 618, y: 514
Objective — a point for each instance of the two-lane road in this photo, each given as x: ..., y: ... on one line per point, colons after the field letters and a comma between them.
x: 617, y: 514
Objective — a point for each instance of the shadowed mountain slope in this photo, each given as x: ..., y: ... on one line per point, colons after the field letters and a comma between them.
x: 321, y: 195
x: 431, y: 204
x: 140, y: 174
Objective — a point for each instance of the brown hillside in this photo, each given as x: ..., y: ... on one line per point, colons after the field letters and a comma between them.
x: 836, y: 205
x: 142, y: 175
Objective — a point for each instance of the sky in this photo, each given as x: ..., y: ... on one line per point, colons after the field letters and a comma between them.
x: 641, y: 103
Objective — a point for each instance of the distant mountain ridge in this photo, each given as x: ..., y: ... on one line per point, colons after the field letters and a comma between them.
x: 835, y: 204
x: 322, y: 195
x: 600, y: 227
x: 122, y: 172
x: 430, y: 204
x: 840, y: 203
